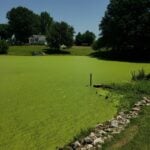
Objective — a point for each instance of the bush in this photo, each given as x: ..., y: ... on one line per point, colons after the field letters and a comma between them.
x: 141, y: 75
x: 3, y: 47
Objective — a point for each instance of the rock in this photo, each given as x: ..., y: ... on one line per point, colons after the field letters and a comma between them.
x: 146, y: 99
x: 99, y: 147
x: 88, y: 140
x: 115, y: 132
x: 83, y: 148
x: 109, y: 130
x: 105, y: 138
x: 136, y: 109
x: 92, y: 136
x: 138, y: 104
x: 122, y: 123
x: 148, y: 104
x: 121, y: 113
x: 129, y: 116
x: 76, y: 144
x: 144, y: 102
x: 89, y: 147
x: 127, y: 121
x: 134, y: 114
x: 114, y: 124
x: 102, y: 132
x: 98, y: 141
x: 119, y: 117
x: 99, y: 125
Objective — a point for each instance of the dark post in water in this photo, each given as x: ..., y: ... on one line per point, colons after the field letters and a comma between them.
x: 90, y: 79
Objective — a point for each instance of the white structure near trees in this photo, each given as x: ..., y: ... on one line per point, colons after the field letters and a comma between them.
x: 37, y: 39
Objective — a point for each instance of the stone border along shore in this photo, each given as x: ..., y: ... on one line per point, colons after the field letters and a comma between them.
x: 105, y: 132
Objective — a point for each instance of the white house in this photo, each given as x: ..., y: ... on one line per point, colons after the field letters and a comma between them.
x: 37, y: 39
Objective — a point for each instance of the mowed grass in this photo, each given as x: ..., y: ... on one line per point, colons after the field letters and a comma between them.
x: 46, y: 101
x: 80, y: 50
x: 26, y: 50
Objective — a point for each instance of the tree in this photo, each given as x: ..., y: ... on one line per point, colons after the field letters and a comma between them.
x: 36, y: 24
x: 87, y: 38
x: 5, y: 32
x: 99, y: 43
x: 3, y: 47
x: 79, y: 39
x: 126, y: 26
x: 46, y: 22
x: 23, y: 23
x: 60, y: 34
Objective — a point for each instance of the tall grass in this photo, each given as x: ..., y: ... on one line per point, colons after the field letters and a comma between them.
x: 141, y: 75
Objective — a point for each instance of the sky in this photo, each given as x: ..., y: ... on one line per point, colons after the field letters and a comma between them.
x: 81, y: 14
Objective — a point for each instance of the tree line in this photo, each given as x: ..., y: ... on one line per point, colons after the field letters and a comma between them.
x: 125, y: 29
x: 23, y: 23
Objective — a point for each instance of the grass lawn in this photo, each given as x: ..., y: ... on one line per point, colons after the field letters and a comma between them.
x: 80, y: 50
x: 45, y: 101
x: 25, y: 50
x: 28, y: 49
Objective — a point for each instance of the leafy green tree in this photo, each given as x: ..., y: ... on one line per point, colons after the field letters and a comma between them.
x: 23, y: 23
x: 79, y: 39
x: 5, y: 32
x: 59, y: 34
x: 87, y: 38
x: 97, y: 44
x: 126, y: 26
x: 46, y: 21
x: 3, y: 47
x: 36, y: 24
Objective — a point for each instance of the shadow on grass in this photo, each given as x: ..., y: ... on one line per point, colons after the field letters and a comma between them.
x: 56, y: 52
x: 116, y: 56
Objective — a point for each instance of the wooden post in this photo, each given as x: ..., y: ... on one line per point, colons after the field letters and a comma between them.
x: 90, y: 79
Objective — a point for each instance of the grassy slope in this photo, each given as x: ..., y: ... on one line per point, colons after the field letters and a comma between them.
x: 80, y: 50
x: 27, y: 50
x: 137, y: 134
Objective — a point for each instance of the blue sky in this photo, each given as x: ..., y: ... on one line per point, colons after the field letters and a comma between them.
x: 81, y: 14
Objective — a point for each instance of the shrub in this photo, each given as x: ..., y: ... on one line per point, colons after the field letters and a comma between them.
x: 141, y: 75
x: 3, y: 47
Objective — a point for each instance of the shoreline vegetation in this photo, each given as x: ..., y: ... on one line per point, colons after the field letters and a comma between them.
x: 128, y: 129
